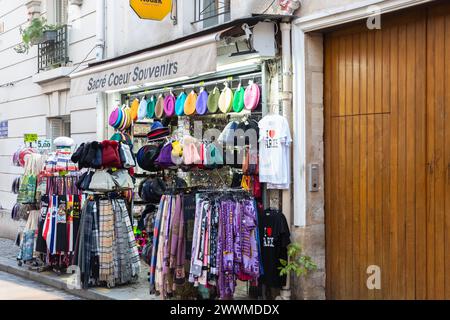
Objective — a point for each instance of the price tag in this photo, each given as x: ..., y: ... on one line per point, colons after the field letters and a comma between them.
x: 44, y: 144
x: 30, y: 137
x: 230, y: 78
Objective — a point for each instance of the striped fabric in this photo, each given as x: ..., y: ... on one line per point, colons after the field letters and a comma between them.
x: 106, y: 240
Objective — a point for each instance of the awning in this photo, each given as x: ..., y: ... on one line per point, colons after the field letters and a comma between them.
x: 187, y: 57
x: 184, y: 59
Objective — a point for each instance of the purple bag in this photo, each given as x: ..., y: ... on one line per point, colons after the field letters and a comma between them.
x: 164, y: 159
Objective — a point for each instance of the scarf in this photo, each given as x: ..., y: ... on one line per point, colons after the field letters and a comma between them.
x: 156, y: 233
x: 106, y: 239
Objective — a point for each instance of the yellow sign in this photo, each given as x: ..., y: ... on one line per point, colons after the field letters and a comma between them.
x: 151, y: 9
x: 30, y: 137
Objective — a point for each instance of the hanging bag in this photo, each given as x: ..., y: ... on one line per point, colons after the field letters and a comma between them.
x: 102, y: 181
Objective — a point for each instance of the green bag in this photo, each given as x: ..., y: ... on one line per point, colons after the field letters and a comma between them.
x: 27, y: 190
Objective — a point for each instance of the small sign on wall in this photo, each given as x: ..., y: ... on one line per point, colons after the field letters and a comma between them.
x: 151, y: 9
x: 30, y: 139
x: 3, y: 129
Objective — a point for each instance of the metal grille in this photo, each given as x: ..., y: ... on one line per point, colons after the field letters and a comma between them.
x: 209, y: 9
x: 53, y: 54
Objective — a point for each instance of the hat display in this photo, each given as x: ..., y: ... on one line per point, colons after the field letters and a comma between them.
x: 114, y: 117
x: 156, y: 125
x: 122, y: 179
x: 169, y: 104
x: 151, y: 190
x: 102, y: 181
x: 146, y: 157
x: 164, y: 159
x: 201, y: 105
x: 151, y: 103
x: 159, y: 108
x: 134, y: 109
x: 142, y: 111
x: 63, y: 142
x: 190, y: 104
x: 238, y: 100
x: 127, y: 119
x: 158, y: 131
x: 179, y: 104
x: 213, y: 100
x: 252, y: 96
x: 226, y: 100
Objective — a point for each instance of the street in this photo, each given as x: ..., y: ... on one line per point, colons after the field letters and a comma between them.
x: 16, y: 288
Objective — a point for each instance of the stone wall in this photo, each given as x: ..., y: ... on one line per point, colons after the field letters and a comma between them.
x: 8, y: 227
x: 312, y: 236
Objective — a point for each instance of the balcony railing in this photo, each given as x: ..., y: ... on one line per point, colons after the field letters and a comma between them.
x: 54, y: 54
x: 209, y: 10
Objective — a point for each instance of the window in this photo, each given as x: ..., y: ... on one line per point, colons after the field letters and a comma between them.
x: 58, y: 127
x: 212, y: 12
x: 61, y: 11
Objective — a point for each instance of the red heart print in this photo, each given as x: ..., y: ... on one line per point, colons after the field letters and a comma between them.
x: 269, y: 231
x: 272, y: 133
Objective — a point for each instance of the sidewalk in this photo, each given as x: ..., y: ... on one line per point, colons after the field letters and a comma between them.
x: 8, y: 263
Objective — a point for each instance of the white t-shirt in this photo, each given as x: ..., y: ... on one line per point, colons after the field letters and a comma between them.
x: 275, y: 140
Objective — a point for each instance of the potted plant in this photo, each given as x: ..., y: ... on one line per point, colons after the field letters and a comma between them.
x: 38, y: 31
x: 298, y: 263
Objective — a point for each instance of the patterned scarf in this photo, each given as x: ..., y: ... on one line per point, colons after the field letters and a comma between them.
x: 156, y: 233
x: 106, y: 239
x: 126, y: 255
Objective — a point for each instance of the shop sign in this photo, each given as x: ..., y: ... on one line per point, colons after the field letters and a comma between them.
x: 184, y: 63
x: 3, y: 129
x: 44, y: 144
x: 151, y: 9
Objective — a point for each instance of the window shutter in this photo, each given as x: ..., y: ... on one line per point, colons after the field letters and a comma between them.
x: 56, y: 128
x: 61, y: 9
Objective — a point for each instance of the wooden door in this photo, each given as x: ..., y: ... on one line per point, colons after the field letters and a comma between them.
x: 387, y: 157
x: 438, y: 153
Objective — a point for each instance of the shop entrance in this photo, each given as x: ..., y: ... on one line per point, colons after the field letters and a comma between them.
x: 387, y: 151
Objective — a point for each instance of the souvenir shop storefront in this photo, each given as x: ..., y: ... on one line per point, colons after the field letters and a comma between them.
x: 181, y: 186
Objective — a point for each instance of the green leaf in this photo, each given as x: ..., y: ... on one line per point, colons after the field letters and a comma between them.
x: 283, y: 262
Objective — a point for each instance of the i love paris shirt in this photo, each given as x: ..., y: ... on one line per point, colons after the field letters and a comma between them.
x: 275, y: 140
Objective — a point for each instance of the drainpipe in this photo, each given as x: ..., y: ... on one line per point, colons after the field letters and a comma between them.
x: 99, y: 55
x: 286, y: 97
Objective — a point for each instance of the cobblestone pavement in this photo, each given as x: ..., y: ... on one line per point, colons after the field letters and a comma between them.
x: 17, y: 288
x: 8, y: 249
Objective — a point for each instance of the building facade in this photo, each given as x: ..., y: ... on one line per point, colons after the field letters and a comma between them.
x: 356, y: 202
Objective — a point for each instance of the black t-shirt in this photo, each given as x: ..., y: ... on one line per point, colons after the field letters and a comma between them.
x: 274, y: 237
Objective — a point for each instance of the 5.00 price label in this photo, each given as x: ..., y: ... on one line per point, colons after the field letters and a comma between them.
x: 44, y: 144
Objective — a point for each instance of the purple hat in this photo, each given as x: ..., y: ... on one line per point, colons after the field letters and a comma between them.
x: 114, y: 117
x: 201, y: 105
x: 169, y: 105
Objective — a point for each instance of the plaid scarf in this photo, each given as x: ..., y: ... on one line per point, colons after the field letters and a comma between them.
x: 85, y: 243
x: 156, y: 231
x: 133, y: 250
x: 126, y: 256
x: 106, y: 239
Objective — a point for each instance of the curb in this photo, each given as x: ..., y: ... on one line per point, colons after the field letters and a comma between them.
x: 10, y: 266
